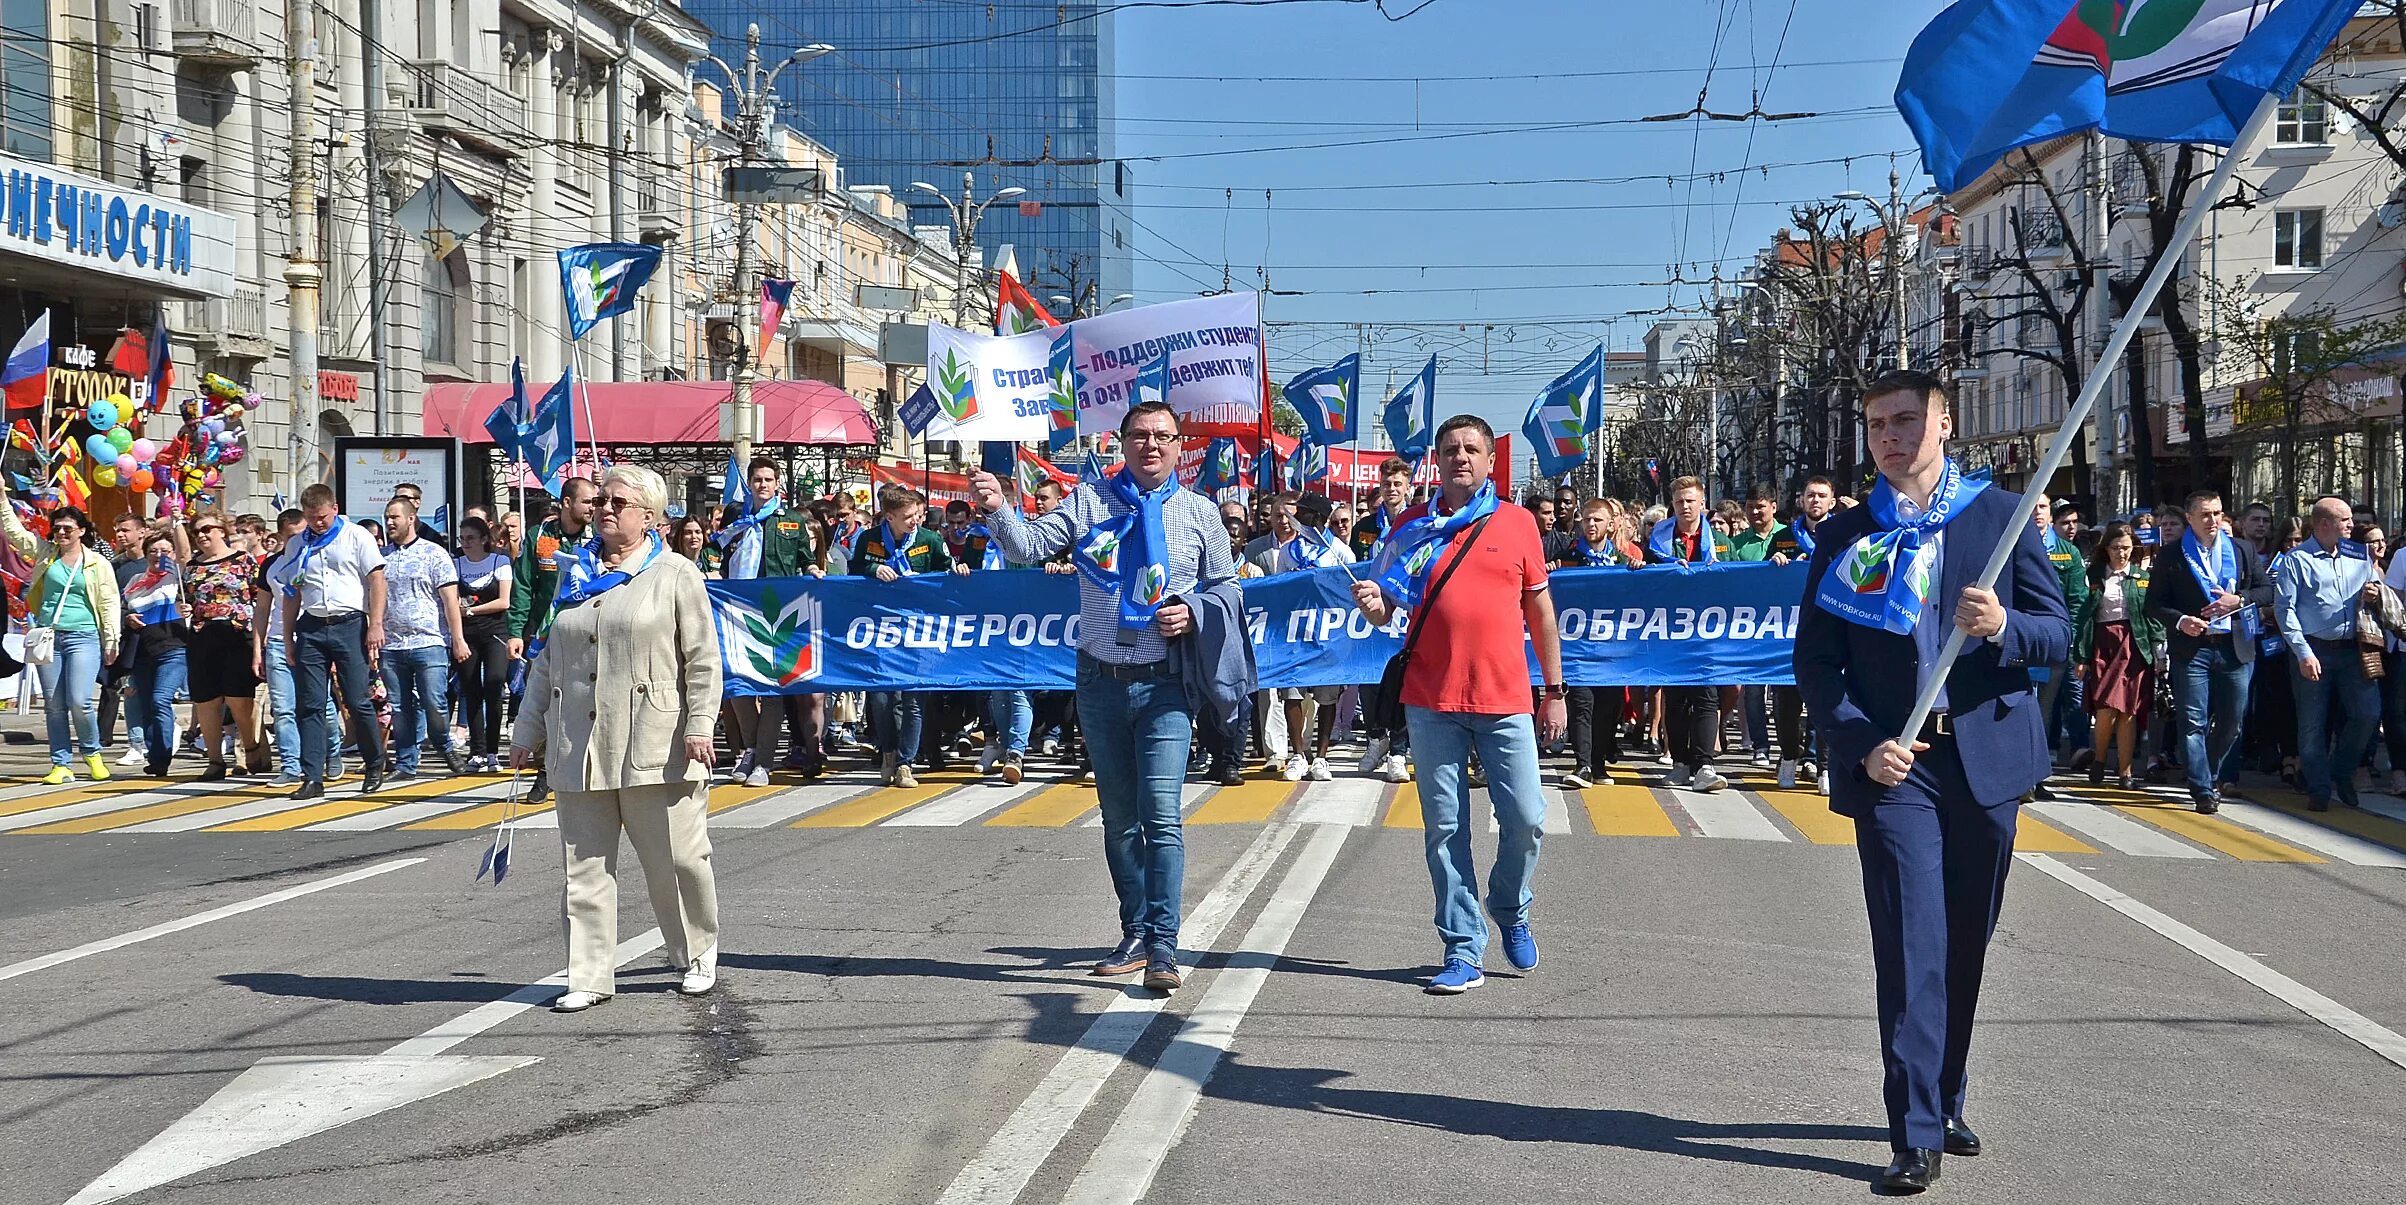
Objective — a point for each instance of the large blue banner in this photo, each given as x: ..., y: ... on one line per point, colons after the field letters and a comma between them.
x: 1668, y: 625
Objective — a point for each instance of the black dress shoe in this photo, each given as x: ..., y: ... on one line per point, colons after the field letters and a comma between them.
x: 310, y: 789
x: 1128, y: 956
x: 1960, y: 1138
x: 1910, y: 1172
x: 371, y: 780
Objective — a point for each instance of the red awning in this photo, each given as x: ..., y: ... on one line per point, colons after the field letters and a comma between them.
x: 667, y: 412
x: 942, y: 487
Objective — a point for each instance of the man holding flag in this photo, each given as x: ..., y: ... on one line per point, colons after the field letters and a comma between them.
x: 766, y: 540
x: 1935, y: 817
x: 1143, y: 547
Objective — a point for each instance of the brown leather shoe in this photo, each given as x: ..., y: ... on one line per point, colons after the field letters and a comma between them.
x: 1161, y: 975
x: 1129, y: 957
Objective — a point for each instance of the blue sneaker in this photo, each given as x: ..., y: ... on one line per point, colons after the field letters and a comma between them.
x: 1520, y: 947
x: 1459, y: 976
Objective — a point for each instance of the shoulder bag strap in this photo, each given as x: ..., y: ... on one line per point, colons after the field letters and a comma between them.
x: 75, y: 579
x: 1412, y: 637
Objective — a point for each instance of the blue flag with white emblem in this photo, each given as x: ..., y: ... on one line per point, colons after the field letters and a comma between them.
x: 1219, y: 469
x: 550, y: 440
x: 1324, y: 399
x: 1411, y: 417
x: 507, y: 423
x: 1564, y: 414
x: 600, y: 280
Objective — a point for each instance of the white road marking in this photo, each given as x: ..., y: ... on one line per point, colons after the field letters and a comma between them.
x: 283, y: 1100
x: 789, y: 805
x: 1557, y: 818
x: 400, y: 814
x: 2373, y: 1036
x: 119, y: 942
x: 1727, y: 813
x: 1188, y: 796
x: 1131, y: 1154
x: 134, y: 798
x: 2346, y: 847
x: 2383, y: 805
x: 193, y: 822
x: 965, y: 804
x: 1348, y: 801
x: 2108, y: 827
x: 1002, y: 1168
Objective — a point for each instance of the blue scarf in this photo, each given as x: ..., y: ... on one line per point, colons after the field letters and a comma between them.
x: 1598, y: 557
x: 1403, y: 561
x: 2221, y: 574
x: 898, y: 548
x: 1884, y: 579
x: 1660, y: 542
x: 1129, y: 555
x: 582, y: 579
x: 1803, y: 535
x: 307, y: 550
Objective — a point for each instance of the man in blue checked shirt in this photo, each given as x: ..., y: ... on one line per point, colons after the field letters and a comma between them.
x: 2318, y: 589
x: 1142, y: 544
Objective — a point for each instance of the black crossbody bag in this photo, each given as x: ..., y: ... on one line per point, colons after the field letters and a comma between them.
x: 1387, y: 706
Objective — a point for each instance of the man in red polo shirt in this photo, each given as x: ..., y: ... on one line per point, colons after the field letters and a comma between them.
x: 1467, y: 688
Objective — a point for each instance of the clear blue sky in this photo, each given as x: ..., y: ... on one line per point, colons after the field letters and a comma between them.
x: 1520, y: 257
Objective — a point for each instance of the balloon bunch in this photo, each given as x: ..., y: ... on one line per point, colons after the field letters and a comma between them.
x: 117, y: 455
x: 212, y: 436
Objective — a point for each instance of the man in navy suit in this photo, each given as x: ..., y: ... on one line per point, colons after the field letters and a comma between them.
x: 1934, y: 818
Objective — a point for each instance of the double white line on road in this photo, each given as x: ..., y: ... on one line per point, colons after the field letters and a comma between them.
x: 1167, y: 1096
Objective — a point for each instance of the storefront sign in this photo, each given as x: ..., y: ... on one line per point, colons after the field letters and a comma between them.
x: 368, y: 469
x: 337, y: 386
x: 57, y: 216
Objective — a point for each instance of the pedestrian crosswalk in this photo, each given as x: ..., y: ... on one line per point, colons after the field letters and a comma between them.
x: 2265, y: 826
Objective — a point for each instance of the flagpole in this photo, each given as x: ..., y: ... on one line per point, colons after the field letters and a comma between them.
x: 576, y: 355
x: 2183, y: 233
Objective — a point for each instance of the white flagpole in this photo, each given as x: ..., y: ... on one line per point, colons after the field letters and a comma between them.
x: 2183, y: 233
x: 584, y: 399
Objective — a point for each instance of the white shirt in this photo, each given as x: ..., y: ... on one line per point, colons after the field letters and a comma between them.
x: 334, y: 580
x: 2113, y: 599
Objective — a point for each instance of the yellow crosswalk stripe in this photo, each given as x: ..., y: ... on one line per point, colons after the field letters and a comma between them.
x: 1052, y: 807
x: 2376, y: 828
x: 735, y: 795
x: 468, y: 818
x: 80, y: 793
x: 1404, y: 810
x: 2032, y: 835
x: 1811, y: 815
x: 1620, y: 810
x: 2247, y: 845
x: 301, y: 817
x: 883, y: 802
x: 1250, y: 802
x: 149, y: 812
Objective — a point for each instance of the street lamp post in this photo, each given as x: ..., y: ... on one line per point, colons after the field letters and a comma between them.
x: 755, y: 106
x: 1892, y: 227
x: 966, y: 214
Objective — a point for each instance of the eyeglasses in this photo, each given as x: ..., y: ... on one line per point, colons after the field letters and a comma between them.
x: 1162, y: 438
x: 619, y: 504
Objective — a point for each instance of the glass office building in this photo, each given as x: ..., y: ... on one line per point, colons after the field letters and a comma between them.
x: 1017, y: 91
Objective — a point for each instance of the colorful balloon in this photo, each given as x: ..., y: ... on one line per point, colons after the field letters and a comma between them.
x: 237, y: 410
x: 232, y: 455
x: 102, y: 415
x: 121, y: 439
x: 100, y: 449
x: 144, y: 450
x: 143, y: 480
x: 104, y: 475
x: 126, y: 464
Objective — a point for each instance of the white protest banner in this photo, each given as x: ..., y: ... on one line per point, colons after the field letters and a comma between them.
x: 1214, y: 344
x: 989, y: 389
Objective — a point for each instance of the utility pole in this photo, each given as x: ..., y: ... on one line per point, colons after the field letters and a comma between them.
x: 302, y: 273
x: 751, y: 92
x: 2108, y: 481
x: 966, y: 214
x: 1894, y: 219
x: 371, y: 62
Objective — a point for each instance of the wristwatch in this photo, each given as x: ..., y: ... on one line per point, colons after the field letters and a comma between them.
x: 1556, y: 690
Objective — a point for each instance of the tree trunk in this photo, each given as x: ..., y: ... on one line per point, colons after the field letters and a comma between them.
x: 2192, y: 388
x: 2142, y: 426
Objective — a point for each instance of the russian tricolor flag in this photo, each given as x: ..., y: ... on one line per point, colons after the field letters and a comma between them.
x: 775, y: 295
x: 26, y: 377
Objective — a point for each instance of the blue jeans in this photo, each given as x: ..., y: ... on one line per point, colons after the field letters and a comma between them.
x: 158, y: 679
x: 338, y: 648
x: 287, y: 721
x: 1138, y: 734
x: 2212, y: 683
x: 68, y: 683
x: 1755, y: 703
x: 2358, y: 701
x: 1507, y: 747
x: 895, y: 718
x: 1012, y: 716
x: 418, y: 682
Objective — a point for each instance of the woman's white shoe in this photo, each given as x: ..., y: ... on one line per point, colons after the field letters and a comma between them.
x: 701, y: 976
x: 577, y: 1002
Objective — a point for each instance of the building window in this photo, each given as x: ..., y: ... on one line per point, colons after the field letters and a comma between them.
x: 2297, y: 239
x: 25, y: 125
x: 2302, y: 120
x: 446, y: 283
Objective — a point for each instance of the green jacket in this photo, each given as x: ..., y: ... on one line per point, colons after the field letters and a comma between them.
x: 1723, y: 550
x: 2145, y: 630
x: 786, y: 549
x: 925, y: 551
x: 2071, y: 569
x: 536, y: 578
x: 1748, y: 546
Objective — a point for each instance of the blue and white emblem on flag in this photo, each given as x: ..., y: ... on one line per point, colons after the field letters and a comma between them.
x: 600, y: 280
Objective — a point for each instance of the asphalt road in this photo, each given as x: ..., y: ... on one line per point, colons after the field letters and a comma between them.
x: 2178, y: 1010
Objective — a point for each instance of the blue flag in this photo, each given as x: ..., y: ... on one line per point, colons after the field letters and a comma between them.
x: 599, y: 280
x: 919, y: 410
x: 1061, y: 367
x: 735, y: 495
x: 1092, y: 471
x: 1564, y: 414
x: 1411, y: 418
x: 507, y: 423
x: 1265, y: 469
x: 1324, y: 398
x: 1219, y: 469
x: 1309, y: 464
x: 1988, y: 76
x: 1152, y: 382
x: 549, y: 443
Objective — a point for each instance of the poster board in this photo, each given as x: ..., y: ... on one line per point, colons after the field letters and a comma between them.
x: 367, y: 468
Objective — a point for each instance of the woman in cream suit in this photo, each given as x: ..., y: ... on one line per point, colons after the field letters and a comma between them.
x: 620, y: 703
